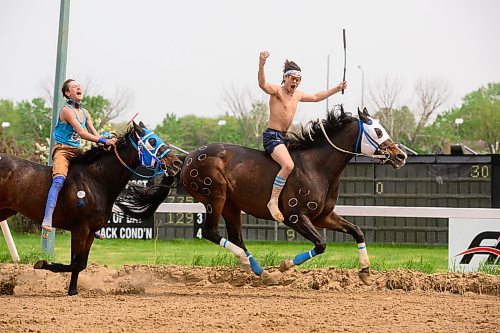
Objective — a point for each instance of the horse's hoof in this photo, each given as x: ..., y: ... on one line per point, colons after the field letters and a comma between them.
x: 39, y: 264
x: 72, y: 292
x: 364, y: 275
x: 286, y: 265
x: 245, y: 265
x: 268, y: 279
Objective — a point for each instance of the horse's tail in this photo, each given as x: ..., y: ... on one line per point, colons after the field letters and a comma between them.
x: 142, y: 202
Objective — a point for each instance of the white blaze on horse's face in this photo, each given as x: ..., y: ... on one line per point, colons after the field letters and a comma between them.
x: 374, y: 137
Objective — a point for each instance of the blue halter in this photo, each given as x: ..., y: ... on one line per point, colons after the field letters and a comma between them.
x: 147, y: 153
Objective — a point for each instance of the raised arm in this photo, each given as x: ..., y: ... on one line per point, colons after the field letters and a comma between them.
x: 321, y: 95
x: 268, y: 88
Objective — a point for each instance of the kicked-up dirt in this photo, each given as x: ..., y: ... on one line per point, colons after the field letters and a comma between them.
x: 201, y: 299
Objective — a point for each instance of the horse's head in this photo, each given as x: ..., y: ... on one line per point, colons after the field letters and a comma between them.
x: 153, y: 151
x: 374, y: 139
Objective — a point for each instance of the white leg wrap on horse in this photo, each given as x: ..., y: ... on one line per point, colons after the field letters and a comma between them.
x: 238, y: 251
x: 363, y: 255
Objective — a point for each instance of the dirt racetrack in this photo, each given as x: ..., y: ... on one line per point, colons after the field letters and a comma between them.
x: 196, y: 299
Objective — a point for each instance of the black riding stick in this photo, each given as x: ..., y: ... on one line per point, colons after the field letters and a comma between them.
x: 343, y: 31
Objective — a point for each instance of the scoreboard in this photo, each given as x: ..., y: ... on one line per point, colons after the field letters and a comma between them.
x: 468, y: 181
x: 426, y: 180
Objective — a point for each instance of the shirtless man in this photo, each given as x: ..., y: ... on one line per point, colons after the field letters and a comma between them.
x: 283, y: 102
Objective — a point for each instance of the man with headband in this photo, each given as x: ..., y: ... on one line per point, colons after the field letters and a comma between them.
x: 283, y: 102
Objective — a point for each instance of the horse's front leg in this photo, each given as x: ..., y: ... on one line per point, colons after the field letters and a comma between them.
x: 80, y: 259
x: 303, y: 226
x: 81, y: 241
x: 335, y: 222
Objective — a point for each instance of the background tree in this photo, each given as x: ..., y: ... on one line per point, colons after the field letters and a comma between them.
x: 29, y: 128
x: 430, y: 94
x: 437, y: 137
x: 106, y: 108
x: 385, y: 95
x: 402, y: 121
x: 251, y: 113
x: 480, y: 112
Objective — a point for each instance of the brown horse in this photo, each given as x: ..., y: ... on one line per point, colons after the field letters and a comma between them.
x: 94, y: 181
x: 229, y: 179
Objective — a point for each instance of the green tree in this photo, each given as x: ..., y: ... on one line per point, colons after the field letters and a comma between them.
x: 188, y: 132
x: 480, y: 112
x: 439, y: 135
x: 28, y: 135
x: 29, y: 128
x: 97, y: 106
x: 251, y: 113
x: 402, y: 122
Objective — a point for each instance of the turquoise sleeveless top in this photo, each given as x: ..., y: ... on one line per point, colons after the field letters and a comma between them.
x: 65, y: 133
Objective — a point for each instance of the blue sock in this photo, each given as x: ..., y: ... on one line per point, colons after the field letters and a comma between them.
x: 302, y: 257
x: 254, y: 265
x: 57, y: 184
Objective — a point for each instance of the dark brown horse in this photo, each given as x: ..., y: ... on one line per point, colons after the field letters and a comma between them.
x: 94, y: 181
x: 229, y: 179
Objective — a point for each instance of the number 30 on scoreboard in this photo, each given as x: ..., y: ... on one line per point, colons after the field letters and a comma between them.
x: 480, y: 171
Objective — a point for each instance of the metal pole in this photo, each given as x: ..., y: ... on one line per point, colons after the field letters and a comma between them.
x: 48, y: 238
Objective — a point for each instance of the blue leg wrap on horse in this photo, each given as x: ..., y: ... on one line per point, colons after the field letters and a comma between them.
x: 57, y: 184
x: 254, y: 265
x: 301, y: 258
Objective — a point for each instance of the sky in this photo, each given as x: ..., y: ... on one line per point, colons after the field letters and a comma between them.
x: 182, y: 57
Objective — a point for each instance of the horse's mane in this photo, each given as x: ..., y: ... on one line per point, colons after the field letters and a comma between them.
x: 97, y: 152
x: 311, y: 134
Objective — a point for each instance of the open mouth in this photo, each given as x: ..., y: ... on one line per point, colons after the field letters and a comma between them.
x: 293, y: 86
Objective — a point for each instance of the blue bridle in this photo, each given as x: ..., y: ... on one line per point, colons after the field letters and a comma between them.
x: 147, y: 153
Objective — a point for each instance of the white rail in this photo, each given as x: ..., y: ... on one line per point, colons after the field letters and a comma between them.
x: 389, y: 211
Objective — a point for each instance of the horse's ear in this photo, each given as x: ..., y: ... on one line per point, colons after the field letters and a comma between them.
x: 365, y: 111
x: 362, y: 116
x: 142, y: 124
x: 342, y: 113
x: 138, y: 128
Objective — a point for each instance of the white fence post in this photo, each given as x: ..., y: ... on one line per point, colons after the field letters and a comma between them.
x: 10, y: 241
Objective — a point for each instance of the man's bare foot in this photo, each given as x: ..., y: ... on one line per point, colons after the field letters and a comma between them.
x: 272, y: 205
